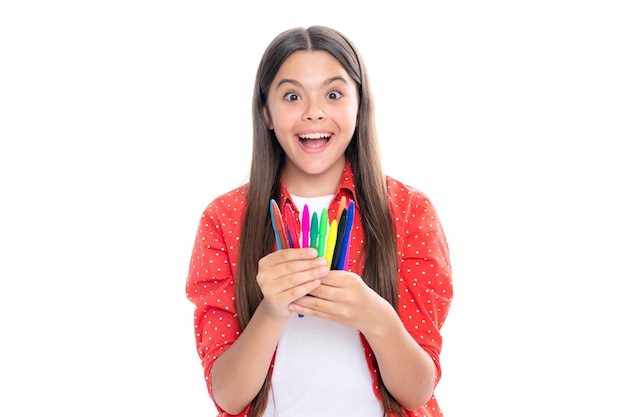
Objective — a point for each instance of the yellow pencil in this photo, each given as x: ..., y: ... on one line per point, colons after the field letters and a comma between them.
x: 332, y: 239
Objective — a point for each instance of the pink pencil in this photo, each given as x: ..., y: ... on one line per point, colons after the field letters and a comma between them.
x: 305, y: 226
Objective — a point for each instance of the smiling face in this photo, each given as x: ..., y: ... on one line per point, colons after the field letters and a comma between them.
x: 312, y: 106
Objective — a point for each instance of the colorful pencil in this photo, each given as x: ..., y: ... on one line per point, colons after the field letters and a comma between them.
x: 291, y: 227
x: 314, y: 228
x: 332, y: 241
x: 345, y: 245
x: 305, y: 226
x: 341, y: 230
x: 322, y: 231
x: 343, y: 203
x: 278, y: 225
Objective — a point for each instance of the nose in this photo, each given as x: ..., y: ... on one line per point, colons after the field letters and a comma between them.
x: 314, y: 111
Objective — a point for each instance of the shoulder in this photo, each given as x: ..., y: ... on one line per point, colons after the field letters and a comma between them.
x: 229, y: 202
x: 403, y: 197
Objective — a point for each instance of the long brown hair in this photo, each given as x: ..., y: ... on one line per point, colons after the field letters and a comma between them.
x: 380, y: 267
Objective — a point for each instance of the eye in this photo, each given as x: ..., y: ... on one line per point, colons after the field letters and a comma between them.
x: 334, y: 95
x: 292, y: 96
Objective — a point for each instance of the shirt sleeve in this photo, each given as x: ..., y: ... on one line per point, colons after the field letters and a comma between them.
x: 211, y: 287
x: 425, y: 283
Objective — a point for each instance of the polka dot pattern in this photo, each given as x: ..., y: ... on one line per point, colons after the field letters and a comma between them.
x: 424, y: 273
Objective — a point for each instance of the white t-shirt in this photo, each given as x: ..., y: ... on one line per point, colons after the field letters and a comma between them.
x: 320, y: 367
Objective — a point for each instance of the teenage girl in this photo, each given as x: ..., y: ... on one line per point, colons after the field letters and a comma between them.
x: 278, y: 332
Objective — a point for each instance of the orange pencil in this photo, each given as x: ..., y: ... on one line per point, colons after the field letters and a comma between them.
x: 342, y: 205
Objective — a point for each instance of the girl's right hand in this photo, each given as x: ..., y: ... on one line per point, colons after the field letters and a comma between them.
x: 287, y: 275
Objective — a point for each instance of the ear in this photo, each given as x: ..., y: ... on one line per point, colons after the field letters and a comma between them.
x: 268, y: 118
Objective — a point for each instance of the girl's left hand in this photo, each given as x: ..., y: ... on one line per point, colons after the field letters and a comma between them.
x: 344, y: 298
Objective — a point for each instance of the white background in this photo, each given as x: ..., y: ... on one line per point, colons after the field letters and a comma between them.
x: 116, y: 119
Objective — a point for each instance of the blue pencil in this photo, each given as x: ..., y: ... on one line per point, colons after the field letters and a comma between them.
x: 345, y: 245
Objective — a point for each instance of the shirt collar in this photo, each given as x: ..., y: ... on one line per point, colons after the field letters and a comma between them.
x: 345, y: 188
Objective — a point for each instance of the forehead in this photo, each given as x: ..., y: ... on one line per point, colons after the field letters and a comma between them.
x: 310, y: 67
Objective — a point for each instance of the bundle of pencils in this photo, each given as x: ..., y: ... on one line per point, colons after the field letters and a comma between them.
x: 331, y: 238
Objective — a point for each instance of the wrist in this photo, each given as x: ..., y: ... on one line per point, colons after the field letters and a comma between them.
x: 383, y: 321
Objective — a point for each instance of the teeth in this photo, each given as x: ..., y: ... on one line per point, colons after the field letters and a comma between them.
x: 315, y: 136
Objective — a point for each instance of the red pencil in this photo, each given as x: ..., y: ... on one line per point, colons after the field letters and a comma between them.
x: 292, y: 229
x: 279, y: 226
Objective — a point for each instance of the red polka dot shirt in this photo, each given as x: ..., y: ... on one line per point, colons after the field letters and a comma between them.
x: 424, y: 277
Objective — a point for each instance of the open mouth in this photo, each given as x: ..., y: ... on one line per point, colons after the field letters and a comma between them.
x: 314, y: 140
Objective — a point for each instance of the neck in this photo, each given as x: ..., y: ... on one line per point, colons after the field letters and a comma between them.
x: 304, y: 184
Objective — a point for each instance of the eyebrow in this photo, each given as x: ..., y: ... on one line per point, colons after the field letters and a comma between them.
x: 297, y: 83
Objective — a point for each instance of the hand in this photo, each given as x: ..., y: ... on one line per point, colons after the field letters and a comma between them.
x: 344, y: 298
x: 288, y: 275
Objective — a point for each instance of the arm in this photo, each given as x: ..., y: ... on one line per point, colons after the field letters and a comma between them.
x: 406, y: 369
x: 406, y: 343
x: 238, y: 374
x: 236, y: 362
x: 424, y: 286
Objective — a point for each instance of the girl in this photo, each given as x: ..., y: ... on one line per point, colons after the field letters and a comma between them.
x: 277, y: 331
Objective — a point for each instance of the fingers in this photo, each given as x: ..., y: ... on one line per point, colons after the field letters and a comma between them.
x: 287, y: 255
x: 339, y: 284
x: 342, y: 297
x: 289, y: 274
x: 293, y: 265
